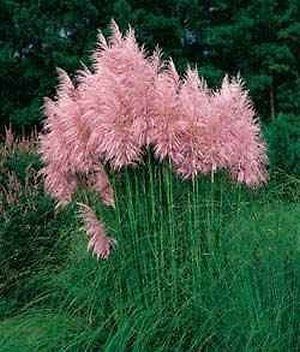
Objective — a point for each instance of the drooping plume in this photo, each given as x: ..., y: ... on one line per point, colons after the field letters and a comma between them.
x: 55, y: 145
x: 65, y: 148
x: 98, y: 181
x: 99, y: 243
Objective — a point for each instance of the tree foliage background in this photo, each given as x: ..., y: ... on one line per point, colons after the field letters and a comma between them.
x: 260, y: 39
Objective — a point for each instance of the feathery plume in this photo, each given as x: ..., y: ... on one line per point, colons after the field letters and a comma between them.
x: 117, y: 99
x: 99, y: 243
x: 194, y: 100
x: 247, y: 162
x: 166, y: 124
x: 64, y: 148
x: 221, y: 132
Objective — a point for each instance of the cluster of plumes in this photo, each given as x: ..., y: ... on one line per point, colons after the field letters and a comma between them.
x: 24, y: 143
x: 13, y: 186
x: 130, y: 100
x: 201, y: 130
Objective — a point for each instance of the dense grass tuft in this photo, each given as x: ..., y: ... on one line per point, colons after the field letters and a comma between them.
x: 199, y: 266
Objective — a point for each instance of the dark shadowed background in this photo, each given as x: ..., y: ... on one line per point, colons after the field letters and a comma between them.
x: 258, y: 38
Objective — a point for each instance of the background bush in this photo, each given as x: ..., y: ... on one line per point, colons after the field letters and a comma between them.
x: 30, y: 230
x: 283, y: 138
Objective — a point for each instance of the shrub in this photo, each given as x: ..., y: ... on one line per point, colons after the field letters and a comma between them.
x: 283, y: 136
x: 29, y: 227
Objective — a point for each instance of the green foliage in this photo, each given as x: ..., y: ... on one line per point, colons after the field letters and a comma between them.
x: 22, y: 165
x: 30, y: 231
x: 283, y: 137
x: 259, y: 39
x: 39, y: 37
x: 198, y: 266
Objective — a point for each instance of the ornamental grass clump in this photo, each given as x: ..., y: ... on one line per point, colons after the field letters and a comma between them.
x: 130, y: 101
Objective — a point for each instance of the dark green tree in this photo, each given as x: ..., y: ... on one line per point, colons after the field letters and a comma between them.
x: 258, y: 38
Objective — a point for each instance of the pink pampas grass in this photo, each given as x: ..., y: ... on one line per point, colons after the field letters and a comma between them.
x: 99, y: 243
x: 194, y: 100
x: 130, y: 100
x: 63, y: 148
x: 117, y: 99
x: 165, y: 115
x: 247, y: 161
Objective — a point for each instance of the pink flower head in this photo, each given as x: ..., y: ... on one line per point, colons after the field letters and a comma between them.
x: 221, y: 132
x: 74, y: 129
x: 194, y: 100
x: 64, y: 148
x: 117, y: 97
x: 247, y: 161
x: 165, y: 114
x: 58, y: 180
x: 99, y: 243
